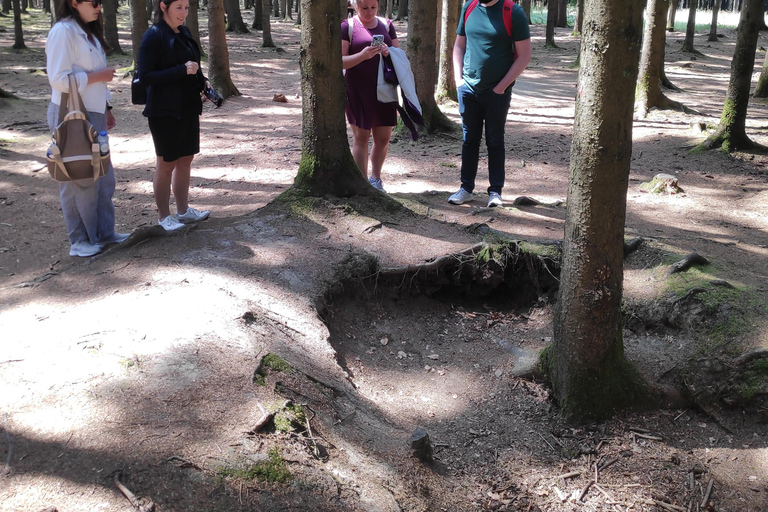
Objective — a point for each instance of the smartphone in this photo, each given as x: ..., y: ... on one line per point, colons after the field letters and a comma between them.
x: 377, y: 40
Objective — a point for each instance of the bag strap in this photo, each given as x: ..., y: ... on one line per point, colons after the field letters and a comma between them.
x: 59, y: 162
x: 95, y: 160
x: 71, y: 101
x: 506, y: 15
x: 350, y: 24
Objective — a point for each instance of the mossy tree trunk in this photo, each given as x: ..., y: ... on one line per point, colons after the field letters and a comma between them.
x: 446, y: 88
x: 713, y: 26
x: 649, y: 93
x: 110, y: 27
x: 551, y: 21
x: 671, y: 15
x: 266, y: 29
x: 422, y: 50
x: 18, y: 34
x: 690, y: 29
x: 590, y: 376
x: 731, y: 133
x: 218, y: 60
x: 327, y: 166
x: 234, y: 17
x: 139, y: 25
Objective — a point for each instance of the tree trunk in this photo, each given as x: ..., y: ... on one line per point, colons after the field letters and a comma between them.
x: 731, y: 133
x: 382, y: 8
x: 562, y: 14
x: 402, y: 10
x: 193, y: 22
x: 234, y: 20
x: 298, y: 12
x: 110, y: 27
x: 690, y: 29
x: 7, y: 7
x: 138, y: 26
x: 671, y: 15
x: 276, y: 5
x: 526, y: 5
x: 327, y: 166
x: 422, y: 48
x: 446, y: 88
x: 551, y: 19
x: 389, y: 9
x: 589, y: 374
x: 218, y: 52
x: 286, y: 11
x: 761, y: 89
x: 266, y: 29
x: 713, y: 26
x: 258, y: 18
x: 649, y: 93
x: 47, y: 6
x: 18, y: 35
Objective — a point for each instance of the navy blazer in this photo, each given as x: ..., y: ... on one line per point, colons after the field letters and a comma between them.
x: 162, y: 74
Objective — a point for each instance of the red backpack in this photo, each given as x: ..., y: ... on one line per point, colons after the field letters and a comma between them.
x: 507, y: 14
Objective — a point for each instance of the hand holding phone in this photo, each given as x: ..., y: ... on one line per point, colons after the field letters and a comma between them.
x: 377, y: 40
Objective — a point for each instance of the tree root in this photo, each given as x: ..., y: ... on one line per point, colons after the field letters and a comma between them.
x: 693, y: 259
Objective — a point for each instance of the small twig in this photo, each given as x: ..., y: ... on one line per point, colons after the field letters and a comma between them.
x: 646, y: 436
x: 639, y: 430
x: 606, y: 494
x: 584, y: 490
x: 545, y: 440
x: 609, y: 463
x: 678, y: 416
x: 11, y: 361
x: 566, y: 476
x: 706, y: 494
x: 669, y: 506
x: 141, y: 504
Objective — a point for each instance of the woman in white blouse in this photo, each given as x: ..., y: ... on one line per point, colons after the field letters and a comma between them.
x: 76, y: 46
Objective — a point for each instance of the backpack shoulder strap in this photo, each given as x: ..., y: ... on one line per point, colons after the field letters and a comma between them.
x: 351, y: 27
x: 507, y: 12
x: 469, y: 10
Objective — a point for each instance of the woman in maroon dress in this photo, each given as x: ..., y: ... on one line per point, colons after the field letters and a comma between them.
x: 365, y: 113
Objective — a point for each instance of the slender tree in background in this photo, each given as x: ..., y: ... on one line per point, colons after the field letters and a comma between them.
x: 276, y: 5
x: 731, y: 133
x: 649, y: 93
x: 690, y: 29
x: 110, y: 27
x: 446, y: 88
x: 286, y: 10
x: 18, y: 34
x: 671, y: 15
x: 258, y: 18
x: 526, y: 5
x: 579, y: 18
x: 551, y: 19
x: 713, y: 25
x: 218, y: 60
x: 193, y: 22
x: 402, y: 10
x: 590, y: 376
x: 562, y: 14
x: 422, y: 52
x: 7, y: 7
x: 327, y: 166
x: 234, y: 17
x: 761, y: 89
x: 138, y: 25
x: 266, y: 29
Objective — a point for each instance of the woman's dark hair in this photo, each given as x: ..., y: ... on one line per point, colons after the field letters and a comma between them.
x: 157, y: 14
x: 94, y: 29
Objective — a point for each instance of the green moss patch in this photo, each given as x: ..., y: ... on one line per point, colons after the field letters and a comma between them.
x: 272, y: 470
x: 269, y: 363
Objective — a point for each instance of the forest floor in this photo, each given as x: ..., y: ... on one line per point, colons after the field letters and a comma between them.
x: 148, y: 361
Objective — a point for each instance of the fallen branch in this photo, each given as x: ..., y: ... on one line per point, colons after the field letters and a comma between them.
x: 669, y: 506
x: 141, y: 504
x: 758, y: 353
x: 267, y: 416
x: 706, y: 494
x: 584, y: 490
x: 646, y: 436
x: 687, y: 262
x: 566, y: 476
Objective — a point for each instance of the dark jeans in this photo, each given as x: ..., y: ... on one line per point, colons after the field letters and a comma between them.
x: 476, y: 108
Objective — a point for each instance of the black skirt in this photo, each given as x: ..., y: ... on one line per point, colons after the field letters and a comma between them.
x: 175, y: 137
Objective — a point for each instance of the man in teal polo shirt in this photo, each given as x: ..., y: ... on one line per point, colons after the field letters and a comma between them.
x: 486, y: 62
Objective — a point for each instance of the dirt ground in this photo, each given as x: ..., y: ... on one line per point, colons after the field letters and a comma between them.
x: 142, y: 362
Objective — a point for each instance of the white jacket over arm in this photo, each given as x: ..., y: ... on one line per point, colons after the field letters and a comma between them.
x: 68, y: 50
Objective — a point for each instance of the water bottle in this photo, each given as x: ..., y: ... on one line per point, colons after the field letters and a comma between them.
x: 103, y: 143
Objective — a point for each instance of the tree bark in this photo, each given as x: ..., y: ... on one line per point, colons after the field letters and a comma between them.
x: 327, y: 166
x: 649, y: 93
x: 731, y: 133
x: 671, y: 15
x: 562, y: 14
x: 761, y: 89
x: 258, y: 18
x: 276, y: 5
x: 589, y: 374
x: 713, y: 26
x: 286, y: 11
x: 234, y: 17
x: 579, y: 18
x: 389, y: 9
x: 422, y: 49
x: 690, y: 29
x: 193, y: 22
x: 18, y: 34
x: 110, y: 27
x: 7, y: 6
x: 138, y: 25
x: 218, y: 60
x: 446, y: 88
x: 266, y: 29
x: 402, y: 10
x: 551, y: 19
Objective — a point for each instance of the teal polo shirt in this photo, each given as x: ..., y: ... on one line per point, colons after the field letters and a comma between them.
x: 490, y: 53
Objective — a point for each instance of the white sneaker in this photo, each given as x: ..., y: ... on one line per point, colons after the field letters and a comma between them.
x: 461, y: 197
x: 494, y: 200
x: 192, y: 215
x: 85, y: 249
x: 170, y: 223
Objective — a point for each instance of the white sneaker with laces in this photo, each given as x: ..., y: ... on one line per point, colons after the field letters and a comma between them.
x: 494, y: 200
x: 85, y: 249
x: 461, y: 197
x: 192, y: 215
x: 169, y: 223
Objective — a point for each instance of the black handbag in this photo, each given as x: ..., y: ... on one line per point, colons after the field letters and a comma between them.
x: 138, y: 90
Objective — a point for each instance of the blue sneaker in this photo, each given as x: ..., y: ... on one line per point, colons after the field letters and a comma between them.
x: 376, y: 183
x: 461, y: 197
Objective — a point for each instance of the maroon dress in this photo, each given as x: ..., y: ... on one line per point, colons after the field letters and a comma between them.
x: 363, y: 109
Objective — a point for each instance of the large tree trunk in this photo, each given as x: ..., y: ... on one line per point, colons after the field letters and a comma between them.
x: 551, y: 19
x: 446, y: 88
x: 218, y: 60
x: 422, y: 49
x: 562, y: 14
x: 110, y: 27
x: 266, y: 29
x: 327, y: 166
x: 690, y: 29
x: 18, y: 34
x: 526, y: 5
x: 731, y: 133
x: 138, y: 26
x: 234, y: 17
x: 589, y: 374
x: 671, y: 15
x: 649, y: 93
x: 713, y: 26
x: 258, y: 18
